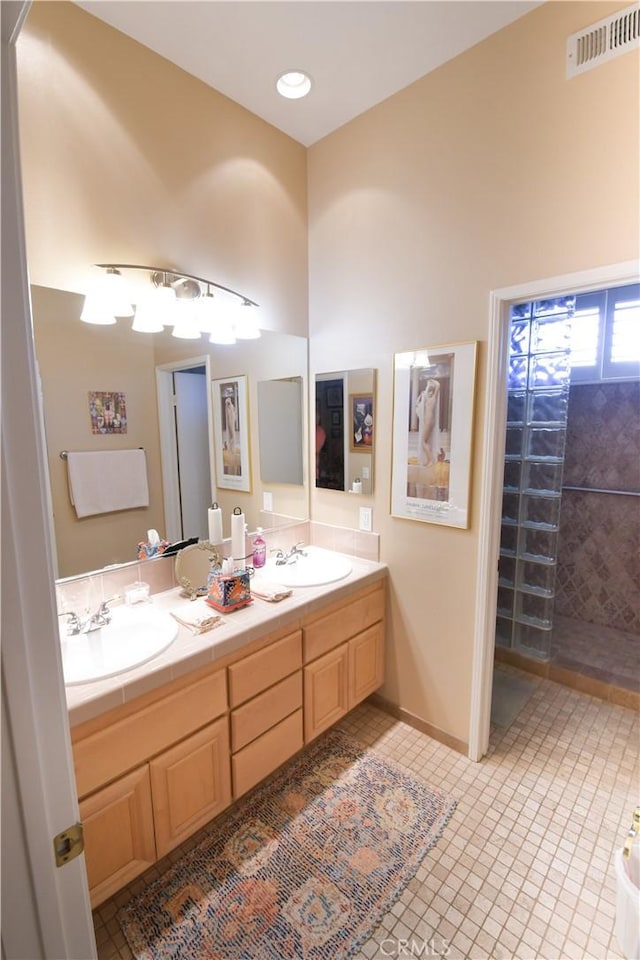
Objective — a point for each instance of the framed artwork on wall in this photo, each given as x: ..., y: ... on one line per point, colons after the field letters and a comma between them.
x: 362, y: 422
x: 231, y: 433
x: 433, y: 401
x: 107, y: 411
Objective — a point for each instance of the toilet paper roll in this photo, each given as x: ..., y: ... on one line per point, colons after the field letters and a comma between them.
x: 215, y: 524
x: 237, y: 538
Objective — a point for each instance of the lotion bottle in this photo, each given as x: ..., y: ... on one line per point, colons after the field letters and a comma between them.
x: 259, y: 549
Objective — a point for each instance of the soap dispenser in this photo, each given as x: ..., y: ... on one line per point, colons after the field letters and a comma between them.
x: 259, y: 549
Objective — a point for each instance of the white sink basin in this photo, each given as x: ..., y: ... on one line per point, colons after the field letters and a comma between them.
x: 313, y: 570
x: 134, y: 636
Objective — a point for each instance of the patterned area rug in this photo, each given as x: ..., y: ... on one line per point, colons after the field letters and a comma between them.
x: 305, y: 866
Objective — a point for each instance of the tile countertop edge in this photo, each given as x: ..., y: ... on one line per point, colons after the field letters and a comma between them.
x: 189, y: 652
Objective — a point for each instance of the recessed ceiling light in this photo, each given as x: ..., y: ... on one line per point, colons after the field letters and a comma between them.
x: 293, y: 84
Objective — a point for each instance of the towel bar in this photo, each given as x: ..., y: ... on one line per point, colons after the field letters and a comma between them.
x: 65, y: 453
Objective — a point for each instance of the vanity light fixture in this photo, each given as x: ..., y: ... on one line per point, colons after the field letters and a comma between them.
x: 177, y: 299
x: 294, y: 84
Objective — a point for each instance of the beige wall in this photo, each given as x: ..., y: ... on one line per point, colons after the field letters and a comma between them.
x: 491, y: 171
x: 74, y: 358
x: 127, y: 158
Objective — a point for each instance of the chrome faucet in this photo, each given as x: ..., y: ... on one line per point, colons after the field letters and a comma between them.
x: 100, y: 618
x: 292, y: 555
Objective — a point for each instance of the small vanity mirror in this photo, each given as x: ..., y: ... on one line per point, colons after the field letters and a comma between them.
x: 193, y: 564
x: 345, y: 412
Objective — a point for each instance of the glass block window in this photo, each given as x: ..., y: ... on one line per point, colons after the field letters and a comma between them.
x: 537, y: 398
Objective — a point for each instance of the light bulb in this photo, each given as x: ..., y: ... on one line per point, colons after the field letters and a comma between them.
x: 245, y: 322
x: 115, y: 291
x: 146, y: 319
x: 95, y: 311
x: 185, y: 321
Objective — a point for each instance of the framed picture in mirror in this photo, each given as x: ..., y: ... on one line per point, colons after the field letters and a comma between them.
x: 231, y: 433
x: 362, y: 422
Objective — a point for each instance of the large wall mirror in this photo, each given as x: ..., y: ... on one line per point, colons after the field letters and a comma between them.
x: 345, y: 415
x: 76, y: 358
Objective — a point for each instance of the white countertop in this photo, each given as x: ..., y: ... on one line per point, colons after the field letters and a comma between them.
x: 189, y: 652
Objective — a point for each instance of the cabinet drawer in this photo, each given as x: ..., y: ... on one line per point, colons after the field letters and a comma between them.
x: 265, y: 710
x: 343, y: 622
x: 265, y: 754
x: 108, y: 753
x: 260, y: 670
x: 118, y: 834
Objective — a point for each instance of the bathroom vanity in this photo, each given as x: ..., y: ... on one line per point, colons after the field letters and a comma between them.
x: 162, y: 750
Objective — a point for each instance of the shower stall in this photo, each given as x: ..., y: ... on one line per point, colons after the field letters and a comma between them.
x: 569, y: 569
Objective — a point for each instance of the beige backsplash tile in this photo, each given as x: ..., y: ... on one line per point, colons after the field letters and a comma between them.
x: 86, y: 593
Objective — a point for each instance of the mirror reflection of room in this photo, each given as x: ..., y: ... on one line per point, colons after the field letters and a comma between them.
x: 345, y: 430
x: 78, y: 359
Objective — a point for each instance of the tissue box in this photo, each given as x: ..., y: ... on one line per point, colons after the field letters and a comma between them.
x: 229, y: 592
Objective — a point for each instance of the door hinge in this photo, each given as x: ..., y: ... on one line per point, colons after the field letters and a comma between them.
x: 68, y: 844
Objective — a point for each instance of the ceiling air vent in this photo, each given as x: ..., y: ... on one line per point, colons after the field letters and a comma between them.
x: 603, y: 41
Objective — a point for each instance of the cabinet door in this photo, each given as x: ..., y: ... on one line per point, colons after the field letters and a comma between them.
x: 118, y: 834
x: 366, y: 663
x: 190, y: 784
x: 326, y: 691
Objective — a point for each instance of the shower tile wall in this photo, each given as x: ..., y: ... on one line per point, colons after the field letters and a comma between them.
x: 598, y: 574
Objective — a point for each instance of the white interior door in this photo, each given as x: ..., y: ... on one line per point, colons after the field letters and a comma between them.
x: 45, y: 909
x: 192, y: 438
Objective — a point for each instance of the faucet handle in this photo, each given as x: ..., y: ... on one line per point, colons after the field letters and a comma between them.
x: 103, y: 615
x: 74, y: 627
x: 103, y: 609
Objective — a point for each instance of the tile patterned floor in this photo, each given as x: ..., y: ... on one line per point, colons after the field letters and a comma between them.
x: 524, y: 868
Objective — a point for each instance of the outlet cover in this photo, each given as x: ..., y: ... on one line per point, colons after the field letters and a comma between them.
x: 267, y: 500
x: 366, y: 518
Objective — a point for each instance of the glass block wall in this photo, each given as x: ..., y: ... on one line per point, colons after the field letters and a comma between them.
x: 537, y: 402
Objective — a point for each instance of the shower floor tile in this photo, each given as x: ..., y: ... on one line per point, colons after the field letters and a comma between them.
x: 604, y: 653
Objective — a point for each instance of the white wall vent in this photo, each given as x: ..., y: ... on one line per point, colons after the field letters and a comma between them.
x: 603, y: 41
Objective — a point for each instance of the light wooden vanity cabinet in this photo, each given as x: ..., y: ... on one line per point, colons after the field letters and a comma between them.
x: 265, y: 695
x: 178, y: 747
x: 151, y: 772
x: 343, y: 652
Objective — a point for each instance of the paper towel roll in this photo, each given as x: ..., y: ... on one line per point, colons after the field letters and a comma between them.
x: 237, y: 537
x: 215, y: 524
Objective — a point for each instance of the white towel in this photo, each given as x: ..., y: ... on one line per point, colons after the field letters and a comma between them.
x: 102, y: 481
x: 267, y: 590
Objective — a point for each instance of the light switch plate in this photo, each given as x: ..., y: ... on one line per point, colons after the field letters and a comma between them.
x: 365, y: 473
x: 267, y: 500
x: 366, y: 518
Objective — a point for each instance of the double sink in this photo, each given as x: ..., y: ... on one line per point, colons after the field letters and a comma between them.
x: 138, y: 633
